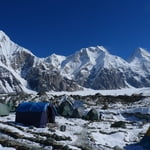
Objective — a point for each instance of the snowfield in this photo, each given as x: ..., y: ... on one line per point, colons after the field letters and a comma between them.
x: 127, y: 91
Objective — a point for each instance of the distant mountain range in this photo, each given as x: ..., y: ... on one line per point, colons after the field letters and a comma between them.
x: 93, y: 67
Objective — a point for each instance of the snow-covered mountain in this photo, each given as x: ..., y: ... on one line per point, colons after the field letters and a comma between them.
x: 20, y: 70
x: 140, y: 60
x: 92, y: 67
x: 140, y: 63
x: 96, y: 68
x: 89, y: 67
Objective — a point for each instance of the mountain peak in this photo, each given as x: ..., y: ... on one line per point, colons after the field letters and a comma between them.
x: 1, y: 32
x: 55, y: 59
x: 140, y: 53
x: 97, y: 50
x: 102, y: 48
x: 140, y: 50
x: 3, y: 36
x: 8, y: 47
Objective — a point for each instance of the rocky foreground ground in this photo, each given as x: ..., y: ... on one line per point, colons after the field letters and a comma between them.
x: 121, y: 127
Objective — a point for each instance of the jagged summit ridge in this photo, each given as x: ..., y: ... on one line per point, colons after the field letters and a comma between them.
x: 92, y: 67
x: 55, y: 60
x: 97, y: 49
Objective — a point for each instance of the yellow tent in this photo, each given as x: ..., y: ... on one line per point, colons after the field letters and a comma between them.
x: 145, y: 142
x: 148, y: 132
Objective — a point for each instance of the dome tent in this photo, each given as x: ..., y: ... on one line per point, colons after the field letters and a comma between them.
x: 92, y: 115
x: 77, y: 113
x: 37, y: 114
x: 4, y: 109
x: 66, y: 108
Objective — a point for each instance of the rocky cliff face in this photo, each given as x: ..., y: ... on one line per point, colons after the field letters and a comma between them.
x: 8, y: 82
x: 92, y: 67
x: 107, y: 79
x: 41, y: 79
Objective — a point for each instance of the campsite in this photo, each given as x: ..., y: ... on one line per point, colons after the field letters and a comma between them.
x: 76, y: 124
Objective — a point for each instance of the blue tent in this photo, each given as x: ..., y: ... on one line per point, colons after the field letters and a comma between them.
x: 35, y: 113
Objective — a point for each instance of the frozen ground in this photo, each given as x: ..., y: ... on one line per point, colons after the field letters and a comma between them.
x: 83, y: 134
x: 5, y: 148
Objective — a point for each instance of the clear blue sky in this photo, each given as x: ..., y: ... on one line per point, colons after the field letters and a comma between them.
x: 64, y: 26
